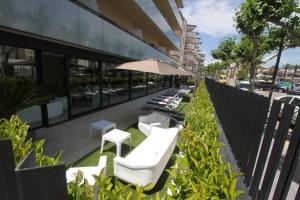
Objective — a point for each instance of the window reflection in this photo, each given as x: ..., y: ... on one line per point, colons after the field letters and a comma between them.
x: 115, y: 84
x: 18, y: 65
x: 84, y: 85
x: 153, y: 84
x: 166, y: 81
x: 139, y: 84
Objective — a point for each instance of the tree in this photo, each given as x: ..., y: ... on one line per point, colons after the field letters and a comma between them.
x: 225, y: 52
x: 212, y: 69
x: 284, y: 32
x: 278, y: 19
x: 287, y: 67
x: 295, y: 70
x: 250, y: 21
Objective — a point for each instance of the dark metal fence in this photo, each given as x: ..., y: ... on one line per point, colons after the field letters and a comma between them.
x: 258, y: 131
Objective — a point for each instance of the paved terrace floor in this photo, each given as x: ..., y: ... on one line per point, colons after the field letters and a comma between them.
x: 72, y: 137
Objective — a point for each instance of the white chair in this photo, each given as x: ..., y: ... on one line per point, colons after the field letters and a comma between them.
x: 157, y: 119
x: 118, y: 137
x: 88, y: 172
x: 147, y: 161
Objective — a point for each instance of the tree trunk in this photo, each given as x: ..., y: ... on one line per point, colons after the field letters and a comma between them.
x: 276, y: 65
x: 294, y: 74
x: 235, y: 72
x: 253, y: 64
x: 285, y: 70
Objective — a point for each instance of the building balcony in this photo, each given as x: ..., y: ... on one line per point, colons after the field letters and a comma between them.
x: 170, y: 11
x: 188, y: 57
x: 190, y: 27
x: 191, y: 40
x: 150, y: 9
x: 190, y: 46
x: 189, y: 52
x: 66, y: 22
x: 191, y: 34
x: 174, y: 53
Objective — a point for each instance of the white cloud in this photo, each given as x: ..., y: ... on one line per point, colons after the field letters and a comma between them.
x: 213, y: 17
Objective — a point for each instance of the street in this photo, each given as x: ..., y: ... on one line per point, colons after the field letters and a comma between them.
x: 266, y: 93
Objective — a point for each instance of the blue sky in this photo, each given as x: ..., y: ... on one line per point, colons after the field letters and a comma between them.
x: 214, y: 22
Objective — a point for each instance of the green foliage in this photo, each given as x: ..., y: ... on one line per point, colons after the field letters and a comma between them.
x: 243, y: 74
x: 79, y: 189
x: 200, y: 172
x: 270, y: 25
x: 17, y: 94
x: 213, y: 68
x: 17, y: 131
x: 225, y: 50
x: 190, y: 81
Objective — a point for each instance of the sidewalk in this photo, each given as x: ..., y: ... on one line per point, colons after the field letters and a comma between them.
x: 72, y: 137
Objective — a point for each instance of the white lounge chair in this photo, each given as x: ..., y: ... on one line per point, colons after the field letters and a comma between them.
x: 147, y: 161
x: 87, y: 171
x: 157, y: 119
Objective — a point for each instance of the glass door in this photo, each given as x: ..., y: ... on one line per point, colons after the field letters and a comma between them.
x: 54, y: 77
x: 84, y: 85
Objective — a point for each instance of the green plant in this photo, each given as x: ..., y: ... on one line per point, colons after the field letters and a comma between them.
x: 199, y: 172
x: 190, y: 81
x: 79, y: 189
x: 17, y: 131
x: 17, y: 94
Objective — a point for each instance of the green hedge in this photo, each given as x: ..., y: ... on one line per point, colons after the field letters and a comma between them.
x: 199, y: 172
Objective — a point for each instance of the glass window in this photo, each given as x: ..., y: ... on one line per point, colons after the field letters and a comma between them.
x: 153, y: 83
x: 17, y: 67
x: 166, y: 81
x: 286, y: 99
x: 139, y: 84
x: 74, y: 24
x: 160, y: 82
x: 115, y: 84
x: 84, y: 85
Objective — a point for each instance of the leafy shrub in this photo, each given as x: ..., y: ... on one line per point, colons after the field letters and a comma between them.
x: 200, y: 172
x: 79, y: 189
x: 190, y: 81
x: 16, y: 130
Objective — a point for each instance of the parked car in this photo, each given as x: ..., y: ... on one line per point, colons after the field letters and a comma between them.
x: 293, y: 100
x: 263, y: 85
x: 243, y: 85
x: 294, y: 92
x: 283, y: 86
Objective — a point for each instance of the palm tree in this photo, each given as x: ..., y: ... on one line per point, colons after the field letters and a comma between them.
x: 286, y: 67
x: 16, y: 95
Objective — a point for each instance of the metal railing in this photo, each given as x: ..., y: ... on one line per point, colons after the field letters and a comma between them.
x: 260, y: 136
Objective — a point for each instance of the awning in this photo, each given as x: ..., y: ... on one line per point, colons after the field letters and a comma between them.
x: 153, y: 66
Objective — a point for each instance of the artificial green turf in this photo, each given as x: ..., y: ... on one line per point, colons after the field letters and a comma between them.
x: 109, y: 150
x: 137, y: 137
